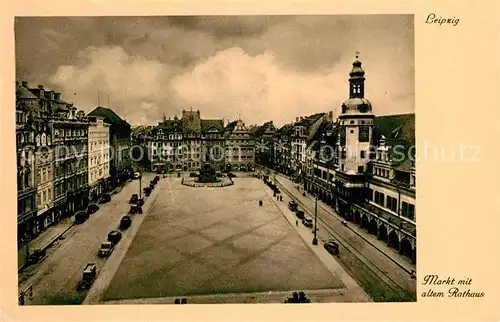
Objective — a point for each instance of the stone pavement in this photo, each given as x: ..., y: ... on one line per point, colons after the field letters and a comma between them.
x: 206, y: 241
x: 372, y: 239
x: 353, y: 292
x: 44, y: 239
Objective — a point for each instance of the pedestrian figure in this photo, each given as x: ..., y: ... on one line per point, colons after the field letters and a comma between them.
x: 297, y: 222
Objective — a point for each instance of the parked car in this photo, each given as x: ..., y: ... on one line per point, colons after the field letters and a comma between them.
x: 114, y: 236
x: 147, y: 191
x: 308, y: 222
x: 125, y: 222
x: 133, y: 198
x: 292, y: 205
x: 81, y: 217
x: 106, y: 249
x: 332, y: 247
x: 137, y: 175
x: 277, y: 190
x: 300, y: 214
x: 105, y: 198
x: 92, y: 208
x: 36, y: 256
x: 135, y: 209
x: 88, y: 276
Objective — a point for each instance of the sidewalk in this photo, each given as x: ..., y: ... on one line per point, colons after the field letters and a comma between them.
x: 371, y: 239
x: 44, y: 240
x: 353, y: 291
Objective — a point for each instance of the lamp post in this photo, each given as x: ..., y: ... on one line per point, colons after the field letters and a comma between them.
x: 315, y: 239
x: 140, y: 185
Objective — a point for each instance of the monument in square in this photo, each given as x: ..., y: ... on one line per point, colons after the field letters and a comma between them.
x: 207, y: 174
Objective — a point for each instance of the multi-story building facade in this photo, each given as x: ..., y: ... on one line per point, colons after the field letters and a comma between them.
x: 70, y: 140
x: 98, y: 160
x: 185, y: 144
x: 26, y: 105
x: 266, y: 144
x: 239, y: 147
x: 366, y: 172
x: 120, y: 133
x: 164, y: 146
x: 52, y: 159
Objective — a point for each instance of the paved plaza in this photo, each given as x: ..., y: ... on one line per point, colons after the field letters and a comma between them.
x: 202, y: 241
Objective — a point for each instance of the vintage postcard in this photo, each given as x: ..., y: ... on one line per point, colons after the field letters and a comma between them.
x: 171, y: 159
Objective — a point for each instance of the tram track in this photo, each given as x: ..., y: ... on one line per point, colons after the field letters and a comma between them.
x: 376, y: 282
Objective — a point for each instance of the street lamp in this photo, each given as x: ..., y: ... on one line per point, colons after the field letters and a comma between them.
x: 140, y: 185
x: 315, y: 239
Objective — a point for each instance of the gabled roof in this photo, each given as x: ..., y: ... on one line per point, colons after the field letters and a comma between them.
x: 23, y: 93
x: 208, y: 124
x: 109, y: 115
x: 400, y: 127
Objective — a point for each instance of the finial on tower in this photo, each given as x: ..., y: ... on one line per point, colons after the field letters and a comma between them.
x: 357, y: 54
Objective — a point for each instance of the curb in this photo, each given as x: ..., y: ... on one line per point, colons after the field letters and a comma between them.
x: 334, y: 214
x: 50, y: 243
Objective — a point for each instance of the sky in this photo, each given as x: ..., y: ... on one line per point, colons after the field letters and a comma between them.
x: 257, y: 68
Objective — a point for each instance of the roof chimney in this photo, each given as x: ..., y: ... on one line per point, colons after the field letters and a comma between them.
x: 40, y: 86
x: 297, y: 119
x: 330, y: 116
x: 301, y: 118
x: 25, y: 84
x: 57, y: 96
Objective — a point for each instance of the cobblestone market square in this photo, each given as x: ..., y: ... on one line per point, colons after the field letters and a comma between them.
x: 195, y: 243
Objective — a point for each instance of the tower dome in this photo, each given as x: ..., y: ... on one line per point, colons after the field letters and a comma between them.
x: 357, y: 103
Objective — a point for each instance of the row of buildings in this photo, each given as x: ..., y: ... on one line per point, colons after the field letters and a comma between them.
x: 64, y: 157
x: 360, y: 164
x: 186, y: 143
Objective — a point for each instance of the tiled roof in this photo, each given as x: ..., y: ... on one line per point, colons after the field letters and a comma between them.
x: 399, y: 127
x: 109, y: 115
x: 23, y: 93
x: 208, y: 124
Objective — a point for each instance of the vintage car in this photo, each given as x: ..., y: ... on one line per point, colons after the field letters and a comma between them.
x: 106, y: 249
x: 308, y: 222
x: 125, y: 222
x: 114, y: 236
x: 147, y: 191
x: 105, y: 198
x: 332, y: 247
x: 292, y: 205
x: 157, y: 178
x: 300, y: 214
x: 133, y: 198
x: 88, y: 276
x: 135, y: 209
x: 92, y: 208
x: 36, y: 256
x: 81, y: 217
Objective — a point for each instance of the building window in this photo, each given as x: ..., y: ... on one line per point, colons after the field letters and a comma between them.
x: 362, y: 154
x: 369, y: 194
x: 392, y: 203
x: 352, y: 131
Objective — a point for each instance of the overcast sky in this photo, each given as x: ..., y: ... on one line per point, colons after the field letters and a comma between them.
x: 257, y: 67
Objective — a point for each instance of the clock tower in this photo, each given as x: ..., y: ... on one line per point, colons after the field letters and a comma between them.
x: 356, y: 135
x: 356, y: 124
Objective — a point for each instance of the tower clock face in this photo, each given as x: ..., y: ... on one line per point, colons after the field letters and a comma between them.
x: 364, y: 134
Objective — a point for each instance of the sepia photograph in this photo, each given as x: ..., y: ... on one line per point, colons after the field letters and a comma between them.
x: 215, y: 159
